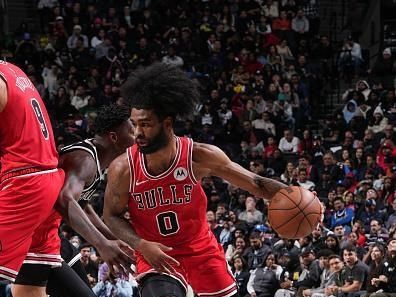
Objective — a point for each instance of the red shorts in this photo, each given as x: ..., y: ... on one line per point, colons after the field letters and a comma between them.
x: 26, y: 202
x: 206, y: 271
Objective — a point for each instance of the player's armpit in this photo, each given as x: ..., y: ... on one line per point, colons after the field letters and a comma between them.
x: 210, y: 160
x: 116, y: 201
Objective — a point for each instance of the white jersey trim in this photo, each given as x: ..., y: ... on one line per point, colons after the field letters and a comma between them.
x: 36, y: 173
x: 44, y: 255
x: 190, y: 161
x: 53, y: 264
x: 12, y: 279
x: 74, y: 260
x: 131, y: 170
x: 221, y: 291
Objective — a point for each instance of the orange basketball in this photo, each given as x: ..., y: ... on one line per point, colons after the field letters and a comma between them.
x: 294, y: 212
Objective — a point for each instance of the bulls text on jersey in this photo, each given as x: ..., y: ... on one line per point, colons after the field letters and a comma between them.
x: 154, y: 198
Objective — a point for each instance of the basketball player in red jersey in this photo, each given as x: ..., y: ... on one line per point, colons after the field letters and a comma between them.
x: 159, y: 179
x: 30, y: 185
x: 29, y: 180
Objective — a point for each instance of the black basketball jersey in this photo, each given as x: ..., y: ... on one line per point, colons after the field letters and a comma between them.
x: 88, y: 146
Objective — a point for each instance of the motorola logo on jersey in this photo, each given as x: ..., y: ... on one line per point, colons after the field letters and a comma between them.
x: 180, y: 173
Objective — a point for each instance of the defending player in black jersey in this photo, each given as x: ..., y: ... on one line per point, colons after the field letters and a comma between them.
x: 84, y: 164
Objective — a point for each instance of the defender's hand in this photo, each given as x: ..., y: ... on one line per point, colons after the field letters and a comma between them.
x: 117, y: 255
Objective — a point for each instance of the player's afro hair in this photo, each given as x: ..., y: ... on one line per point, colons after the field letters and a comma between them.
x: 110, y: 117
x: 162, y: 88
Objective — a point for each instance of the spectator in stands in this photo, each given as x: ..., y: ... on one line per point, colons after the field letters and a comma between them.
x: 378, y: 233
x: 356, y: 274
x: 285, y: 111
x: 332, y: 243
x: 237, y: 247
x: 341, y: 216
x: 384, y: 67
x: 353, y: 240
x: 264, y: 126
x: 391, y: 221
x: 300, y: 25
x: 172, y: 58
x: 111, y: 286
x: 387, y: 275
x: 90, y: 266
x: 326, y: 276
x: 377, y: 254
x: 369, y: 213
x: 77, y: 33
x: 288, y: 176
x: 263, y: 281
x: 337, y: 266
x: 351, y: 53
x: 241, y: 274
x: 309, y: 276
x: 251, y: 215
x: 289, y: 143
x: 256, y: 252
x: 214, y: 226
x: 379, y: 122
x: 303, y: 180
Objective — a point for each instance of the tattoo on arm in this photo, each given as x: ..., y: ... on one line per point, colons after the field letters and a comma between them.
x: 117, y: 223
x: 268, y: 186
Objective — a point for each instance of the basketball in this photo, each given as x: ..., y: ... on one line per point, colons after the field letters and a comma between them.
x: 294, y: 212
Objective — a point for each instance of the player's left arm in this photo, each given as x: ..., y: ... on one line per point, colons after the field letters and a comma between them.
x: 210, y: 160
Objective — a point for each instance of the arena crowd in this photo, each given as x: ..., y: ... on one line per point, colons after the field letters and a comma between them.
x: 262, y: 67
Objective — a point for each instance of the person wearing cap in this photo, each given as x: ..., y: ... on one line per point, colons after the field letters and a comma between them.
x: 72, y: 40
x: 309, y: 277
x: 385, y: 64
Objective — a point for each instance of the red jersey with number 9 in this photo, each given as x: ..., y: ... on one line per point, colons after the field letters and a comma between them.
x: 26, y: 137
x: 169, y: 208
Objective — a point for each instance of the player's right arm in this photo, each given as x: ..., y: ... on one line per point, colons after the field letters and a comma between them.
x: 79, y: 169
x: 3, y: 94
x: 115, y: 206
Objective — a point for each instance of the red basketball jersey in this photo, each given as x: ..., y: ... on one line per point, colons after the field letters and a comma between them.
x: 169, y: 208
x: 26, y: 137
